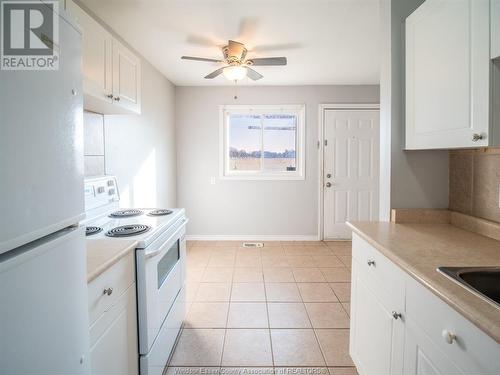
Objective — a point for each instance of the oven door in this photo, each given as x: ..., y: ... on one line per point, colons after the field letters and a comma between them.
x: 160, y: 277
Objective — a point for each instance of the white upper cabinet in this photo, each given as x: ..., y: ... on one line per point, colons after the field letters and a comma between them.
x: 126, y: 78
x: 96, y: 64
x: 448, y: 75
x: 111, y: 73
x: 495, y: 28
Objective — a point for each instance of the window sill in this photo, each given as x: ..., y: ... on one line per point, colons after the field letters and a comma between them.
x: 262, y: 178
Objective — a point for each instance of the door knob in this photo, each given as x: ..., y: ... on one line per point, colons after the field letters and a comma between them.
x: 328, y: 184
x: 109, y: 96
x: 329, y: 175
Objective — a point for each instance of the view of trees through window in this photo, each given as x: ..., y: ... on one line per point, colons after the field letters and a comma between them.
x: 266, y: 142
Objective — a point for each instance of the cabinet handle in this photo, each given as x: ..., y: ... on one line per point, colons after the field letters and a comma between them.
x: 117, y: 98
x: 109, y: 96
x: 371, y: 262
x: 448, y: 336
x: 477, y: 137
x: 396, y: 315
x: 108, y: 291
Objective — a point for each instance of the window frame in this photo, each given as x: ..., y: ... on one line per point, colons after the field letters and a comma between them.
x: 226, y: 110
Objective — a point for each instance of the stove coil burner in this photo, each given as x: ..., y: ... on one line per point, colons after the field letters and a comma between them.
x: 127, y: 230
x: 160, y: 212
x: 89, y: 231
x: 125, y: 213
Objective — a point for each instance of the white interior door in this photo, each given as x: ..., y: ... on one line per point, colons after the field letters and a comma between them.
x: 350, y: 169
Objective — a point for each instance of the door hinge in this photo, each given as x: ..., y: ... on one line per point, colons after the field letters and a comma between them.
x: 326, y: 142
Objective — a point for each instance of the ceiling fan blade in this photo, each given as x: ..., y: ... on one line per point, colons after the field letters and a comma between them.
x: 252, y: 74
x: 247, y: 28
x: 215, y: 73
x: 268, y: 61
x: 276, y: 47
x: 199, y: 59
x: 200, y: 41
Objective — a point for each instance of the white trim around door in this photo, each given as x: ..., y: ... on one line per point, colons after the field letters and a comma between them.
x: 321, y: 150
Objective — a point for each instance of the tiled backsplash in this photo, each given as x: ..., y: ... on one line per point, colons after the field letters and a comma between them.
x: 93, y: 149
x: 474, y: 182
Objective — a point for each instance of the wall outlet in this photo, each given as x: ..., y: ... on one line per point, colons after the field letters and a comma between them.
x: 212, y: 180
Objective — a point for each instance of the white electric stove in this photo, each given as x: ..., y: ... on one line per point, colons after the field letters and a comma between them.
x: 160, y: 265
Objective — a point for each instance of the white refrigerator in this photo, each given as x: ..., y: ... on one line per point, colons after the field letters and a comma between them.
x: 43, y: 289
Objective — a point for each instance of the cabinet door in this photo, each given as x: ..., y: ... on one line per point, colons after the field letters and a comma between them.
x: 447, y: 74
x: 97, y: 55
x: 126, y: 78
x: 422, y: 357
x: 495, y: 28
x: 376, y: 337
x: 115, y: 351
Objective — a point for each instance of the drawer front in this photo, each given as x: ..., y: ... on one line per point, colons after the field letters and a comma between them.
x: 380, y: 272
x: 472, y: 351
x: 118, y: 278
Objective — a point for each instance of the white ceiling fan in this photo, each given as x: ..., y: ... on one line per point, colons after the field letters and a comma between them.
x: 237, y: 66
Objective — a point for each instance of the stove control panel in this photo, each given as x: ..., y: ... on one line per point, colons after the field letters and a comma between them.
x: 100, y: 191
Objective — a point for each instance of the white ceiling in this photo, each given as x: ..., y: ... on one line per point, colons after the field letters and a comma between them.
x: 325, y: 41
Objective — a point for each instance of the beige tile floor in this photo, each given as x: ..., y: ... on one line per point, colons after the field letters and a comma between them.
x: 281, y: 309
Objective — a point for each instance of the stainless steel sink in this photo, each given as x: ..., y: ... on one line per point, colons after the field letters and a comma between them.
x: 483, y: 281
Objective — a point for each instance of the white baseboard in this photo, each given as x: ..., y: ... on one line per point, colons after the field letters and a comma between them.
x: 194, y: 237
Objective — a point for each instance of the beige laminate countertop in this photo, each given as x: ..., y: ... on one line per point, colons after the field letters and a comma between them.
x: 103, y: 253
x: 419, y: 249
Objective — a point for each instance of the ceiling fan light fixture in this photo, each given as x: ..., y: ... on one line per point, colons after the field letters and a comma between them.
x: 235, y: 72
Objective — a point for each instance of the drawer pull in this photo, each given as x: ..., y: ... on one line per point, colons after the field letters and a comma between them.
x: 448, y: 336
x: 396, y: 315
x: 108, y: 291
x: 371, y: 262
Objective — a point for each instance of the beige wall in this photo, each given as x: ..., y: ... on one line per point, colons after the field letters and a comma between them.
x: 474, y: 182
x: 140, y: 149
x: 249, y: 208
x: 416, y: 179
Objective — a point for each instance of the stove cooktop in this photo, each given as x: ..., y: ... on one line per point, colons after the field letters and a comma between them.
x: 127, y: 230
x: 126, y: 213
x: 142, y: 224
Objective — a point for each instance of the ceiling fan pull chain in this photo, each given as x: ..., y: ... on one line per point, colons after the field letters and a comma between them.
x: 235, y: 90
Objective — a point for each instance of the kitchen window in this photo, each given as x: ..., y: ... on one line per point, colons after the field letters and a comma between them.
x: 262, y: 142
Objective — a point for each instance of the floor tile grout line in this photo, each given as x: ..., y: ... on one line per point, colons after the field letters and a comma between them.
x: 269, y: 327
x: 314, y: 331
x: 227, y: 318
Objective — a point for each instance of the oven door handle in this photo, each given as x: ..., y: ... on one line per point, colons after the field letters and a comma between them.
x: 167, y: 242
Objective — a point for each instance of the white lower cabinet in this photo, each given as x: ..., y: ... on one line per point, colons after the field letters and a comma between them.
x: 422, y: 357
x: 113, y: 335
x: 376, y: 335
x: 398, y: 326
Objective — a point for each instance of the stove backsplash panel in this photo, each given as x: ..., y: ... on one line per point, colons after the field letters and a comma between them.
x: 93, y: 149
